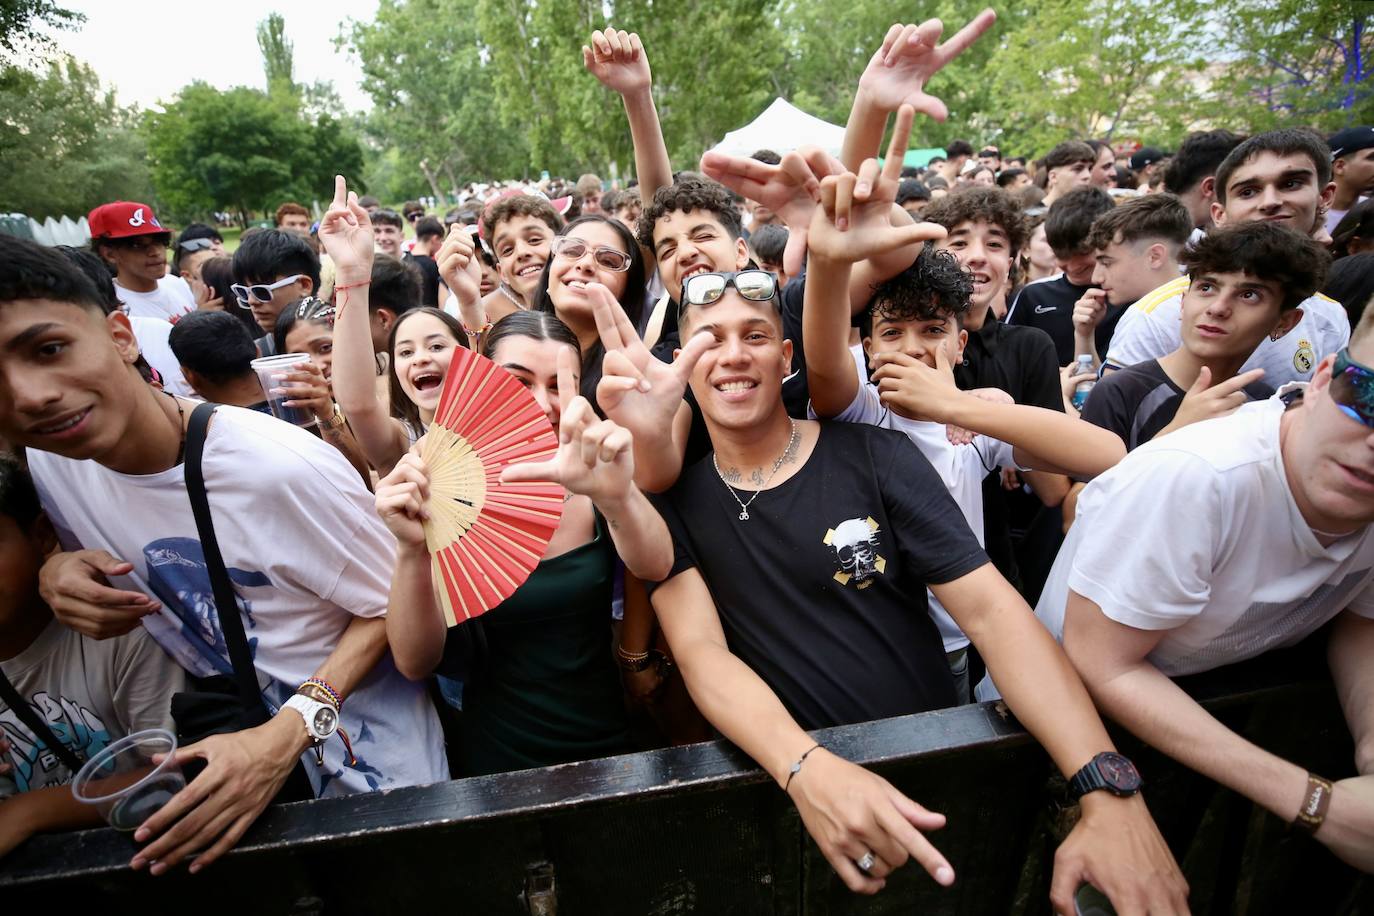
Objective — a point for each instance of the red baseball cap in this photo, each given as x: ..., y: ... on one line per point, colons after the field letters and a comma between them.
x: 123, y: 219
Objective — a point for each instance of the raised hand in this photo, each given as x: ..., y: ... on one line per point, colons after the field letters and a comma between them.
x: 618, y: 61
x: 898, y: 72
x: 595, y: 457
x: 346, y: 234
x: 401, y: 498
x: 854, y: 221
x: 637, y: 390
x: 790, y: 189
x: 459, y: 264
x: 308, y: 388
x: 914, y: 389
x: 1205, y: 401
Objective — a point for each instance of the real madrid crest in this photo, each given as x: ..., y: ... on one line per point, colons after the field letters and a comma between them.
x: 1304, y: 358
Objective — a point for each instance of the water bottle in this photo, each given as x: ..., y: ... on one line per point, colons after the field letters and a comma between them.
x: 1081, y: 390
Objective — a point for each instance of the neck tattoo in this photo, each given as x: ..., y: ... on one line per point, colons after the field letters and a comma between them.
x: 744, y: 506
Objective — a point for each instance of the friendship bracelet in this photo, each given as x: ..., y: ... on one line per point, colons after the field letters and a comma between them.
x: 1312, y: 812
x: 323, y: 686
x: 349, y: 286
x: 796, y: 767
x: 344, y: 289
x: 477, y: 333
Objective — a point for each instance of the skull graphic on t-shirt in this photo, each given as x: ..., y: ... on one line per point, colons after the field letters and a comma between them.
x: 855, y: 542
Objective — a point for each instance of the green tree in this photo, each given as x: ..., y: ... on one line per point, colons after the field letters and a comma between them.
x: 66, y: 146
x: 1101, y: 68
x: 1296, y: 61
x: 241, y: 150
x: 278, y: 55
x: 18, y: 19
x: 428, y: 73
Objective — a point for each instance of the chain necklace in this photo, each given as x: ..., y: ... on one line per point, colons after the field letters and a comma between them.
x: 744, y: 506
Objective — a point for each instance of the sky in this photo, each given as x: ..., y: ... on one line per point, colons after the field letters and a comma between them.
x: 149, y: 51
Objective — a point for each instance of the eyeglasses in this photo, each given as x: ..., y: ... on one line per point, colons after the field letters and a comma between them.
x: 754, y: 285
x: 196, y: 245
x: 1352, y: 388
x: 604, y: 255
x: 262, y: 292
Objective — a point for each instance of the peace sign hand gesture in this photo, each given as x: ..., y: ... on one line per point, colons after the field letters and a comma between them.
x: 790, y: 189
x: 899, y: 70
x: 618, y: 61
x: 595, y: 457
x: 346, y: 234
x: 854, y: 221
x: 637, y: 390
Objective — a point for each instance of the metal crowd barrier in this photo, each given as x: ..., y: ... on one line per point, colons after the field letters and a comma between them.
x: 701, y: 830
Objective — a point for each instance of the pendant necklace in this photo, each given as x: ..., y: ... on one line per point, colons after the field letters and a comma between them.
x: 744, y: 506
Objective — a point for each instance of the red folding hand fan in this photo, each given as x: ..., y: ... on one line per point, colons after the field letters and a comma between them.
x: 486, y: 537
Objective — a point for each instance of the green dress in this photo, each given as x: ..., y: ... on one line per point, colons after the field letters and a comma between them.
x: 540, y: 684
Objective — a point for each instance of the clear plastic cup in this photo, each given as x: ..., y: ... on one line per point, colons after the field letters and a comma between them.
x: 268, y: 366
x: 124, y: 783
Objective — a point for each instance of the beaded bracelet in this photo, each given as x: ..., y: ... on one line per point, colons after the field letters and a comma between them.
x: 324, y: 687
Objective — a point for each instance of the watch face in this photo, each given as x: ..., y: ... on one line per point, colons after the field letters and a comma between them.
x: 326, y: 720
x: 1118, y: 772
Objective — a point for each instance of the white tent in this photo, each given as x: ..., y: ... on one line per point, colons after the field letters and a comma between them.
x: 782, y: 127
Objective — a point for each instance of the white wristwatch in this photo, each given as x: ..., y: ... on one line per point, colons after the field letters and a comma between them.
x: 321, y: 721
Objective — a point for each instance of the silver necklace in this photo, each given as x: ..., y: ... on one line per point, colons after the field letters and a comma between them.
x: 501, y: 288
x: 744, y: 506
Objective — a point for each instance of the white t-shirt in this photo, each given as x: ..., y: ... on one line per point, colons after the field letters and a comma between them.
x: 305, y: 550
x: 1197, y: 533
x: 1333, y: 217
x: 153, y: 342
x: 1150, y: 329
x: 89, y: 692
x: 172, y: 299
x: 961, y: 467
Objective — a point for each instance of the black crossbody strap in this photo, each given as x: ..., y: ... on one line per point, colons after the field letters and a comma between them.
x: 226, y: 599
x: 40, y: 729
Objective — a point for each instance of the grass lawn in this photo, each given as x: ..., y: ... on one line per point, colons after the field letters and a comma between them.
x: 231, y: 237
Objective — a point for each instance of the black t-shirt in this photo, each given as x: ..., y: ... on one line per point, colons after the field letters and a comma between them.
x: 1137, y: 402
x: 795, y: 393
x: 1021, y: 362
x: 1048, y: 305
x: 822, y: 590
x: 429, y: 278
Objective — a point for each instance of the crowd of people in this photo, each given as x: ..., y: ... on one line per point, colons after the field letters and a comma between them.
x: 840, y: 440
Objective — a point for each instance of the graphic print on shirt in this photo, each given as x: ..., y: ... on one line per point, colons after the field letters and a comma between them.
x: 855, y: 542
x: 74, y: 725
x: 1305, y: 358
x: 177, y: 574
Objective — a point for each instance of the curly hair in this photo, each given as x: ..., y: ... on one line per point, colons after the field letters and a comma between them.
x: 934, y: 286
x: 1264, y: 251
x: 518, y: 205
x: 684, y: 196
x: 991, y: 205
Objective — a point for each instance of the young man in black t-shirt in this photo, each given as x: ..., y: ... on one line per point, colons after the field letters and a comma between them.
x: 797, y: 600
x: 1245, y: 283
x: 1048, y: 304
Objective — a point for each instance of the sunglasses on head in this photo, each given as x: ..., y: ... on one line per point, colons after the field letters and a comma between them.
x: 196, y: 245
x: 1352, y: 388
x: 754, y: 285
x: 262, y: 292
x: 605, y: 256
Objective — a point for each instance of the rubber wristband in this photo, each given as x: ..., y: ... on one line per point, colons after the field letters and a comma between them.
x: 1314, y: 804
x: 796, y: 767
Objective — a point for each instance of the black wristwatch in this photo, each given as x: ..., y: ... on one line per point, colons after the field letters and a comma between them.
x: 1109, y: 771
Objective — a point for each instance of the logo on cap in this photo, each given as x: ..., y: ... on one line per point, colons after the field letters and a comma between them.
x: 137, y: 219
